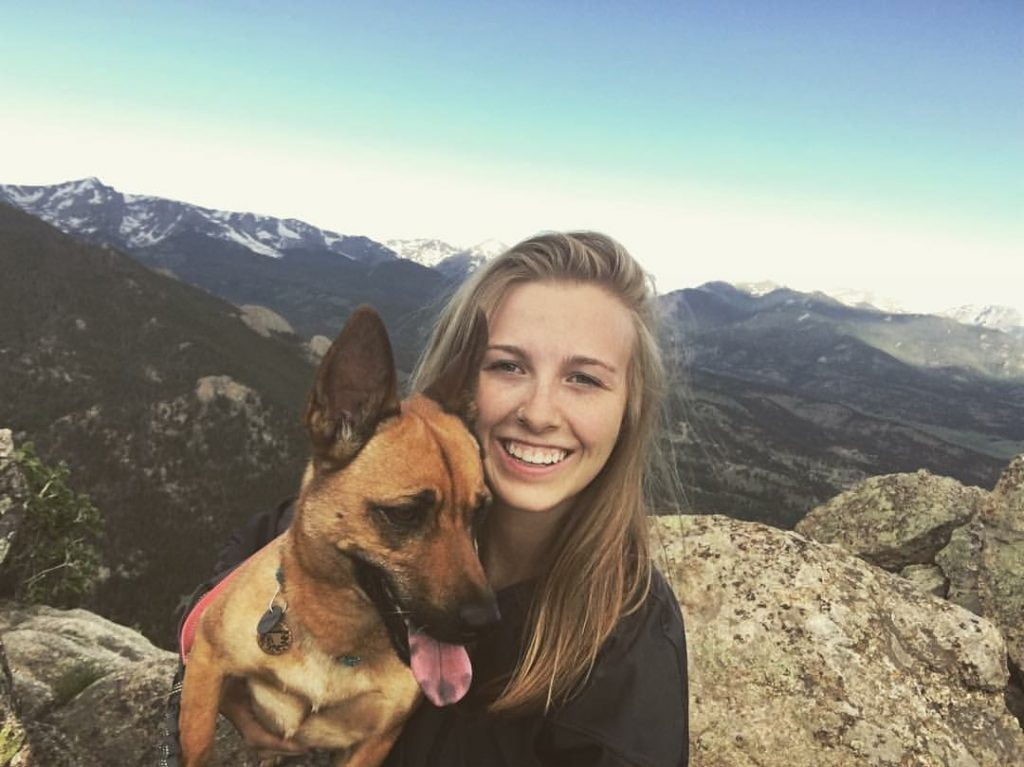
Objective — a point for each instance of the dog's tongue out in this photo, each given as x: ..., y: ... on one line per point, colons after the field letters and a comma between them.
x: 442, y: 670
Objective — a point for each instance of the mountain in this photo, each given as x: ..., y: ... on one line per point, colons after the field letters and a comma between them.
x: 1001, y: 318
x: 93, y: 211
x: 454, y: 263
x: 178, y: 419
x: 311, y: 277
x: 789, y: 398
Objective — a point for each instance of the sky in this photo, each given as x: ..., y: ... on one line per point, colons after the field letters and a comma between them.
x: 865, y: 145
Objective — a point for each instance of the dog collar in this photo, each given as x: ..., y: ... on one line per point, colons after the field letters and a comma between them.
x: 272, y: 633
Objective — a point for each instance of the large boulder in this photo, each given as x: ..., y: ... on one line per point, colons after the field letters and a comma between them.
x: 895, y: 520
x: 803, y: 654
x: 92, y: 692
x: 984, y: 560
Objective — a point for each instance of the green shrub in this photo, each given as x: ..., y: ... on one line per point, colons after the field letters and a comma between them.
x: 53, y: 559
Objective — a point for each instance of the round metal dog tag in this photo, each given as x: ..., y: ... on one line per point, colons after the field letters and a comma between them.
x: 277, y: 640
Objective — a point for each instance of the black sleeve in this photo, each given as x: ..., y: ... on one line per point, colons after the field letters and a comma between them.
x: 260, y: 530
x: 634, y: 709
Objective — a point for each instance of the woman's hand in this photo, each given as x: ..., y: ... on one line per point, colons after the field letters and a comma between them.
x: 236, y: 705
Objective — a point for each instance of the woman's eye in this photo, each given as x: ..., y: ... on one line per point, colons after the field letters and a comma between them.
x: 583, y: 378
x: 504, y: 366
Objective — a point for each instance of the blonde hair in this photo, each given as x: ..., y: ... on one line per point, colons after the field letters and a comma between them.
x: 571, y: 616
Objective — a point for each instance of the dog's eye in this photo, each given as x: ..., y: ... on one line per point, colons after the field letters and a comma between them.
x: 403, y: 517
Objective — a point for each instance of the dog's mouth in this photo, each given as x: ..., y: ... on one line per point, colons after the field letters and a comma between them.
x: 442, y: 670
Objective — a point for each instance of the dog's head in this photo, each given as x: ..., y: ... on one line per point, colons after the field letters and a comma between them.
x: 397, y: 488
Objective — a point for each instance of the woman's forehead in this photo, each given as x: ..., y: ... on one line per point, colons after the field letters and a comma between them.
x: 570, y: 319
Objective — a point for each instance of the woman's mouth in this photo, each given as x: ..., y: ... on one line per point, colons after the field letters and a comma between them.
x: 531, y: 455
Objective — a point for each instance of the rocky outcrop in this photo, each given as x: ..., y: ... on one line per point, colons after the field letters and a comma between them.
x: 12, y: 494
x: 91, y: 692
x: 981, y: 556
x: 802, y: 654
x: 264, y: 321
x: 895, y: 520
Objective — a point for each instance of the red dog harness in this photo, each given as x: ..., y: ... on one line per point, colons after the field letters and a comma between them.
x: 188, y: 628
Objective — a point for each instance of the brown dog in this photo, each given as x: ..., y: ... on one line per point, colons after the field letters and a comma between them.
x: 378, y: 565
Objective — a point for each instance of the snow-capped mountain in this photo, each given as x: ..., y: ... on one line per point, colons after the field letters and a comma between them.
x: 1004, y: 318
x: 90, y: 209
x: 434, y: 252
x: 423, y: 251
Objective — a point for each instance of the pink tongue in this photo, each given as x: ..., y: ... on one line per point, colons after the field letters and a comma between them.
x: 442, y: 670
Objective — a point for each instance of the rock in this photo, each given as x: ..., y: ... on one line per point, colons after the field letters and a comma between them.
x: 209, y: 388
x: 929, y: 578
x: 894, y: 520
x: 984, y: 560
x: 12, y: 494
x: 13, y: 738
x: 264, y: 321
x: 95, y: 692
x: 801, y: 654
x: 316, y: 348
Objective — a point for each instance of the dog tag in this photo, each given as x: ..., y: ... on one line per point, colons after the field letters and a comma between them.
x: 272, y: 632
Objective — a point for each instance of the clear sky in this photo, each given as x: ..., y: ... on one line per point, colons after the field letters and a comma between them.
x: 862, y: 144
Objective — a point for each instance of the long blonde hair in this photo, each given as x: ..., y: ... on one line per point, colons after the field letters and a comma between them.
x: 599, y: 564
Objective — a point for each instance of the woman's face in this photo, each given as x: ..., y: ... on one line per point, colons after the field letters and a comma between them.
x: 552, y: 391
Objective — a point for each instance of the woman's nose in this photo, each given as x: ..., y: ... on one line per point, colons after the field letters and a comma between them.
x: 538, y: 411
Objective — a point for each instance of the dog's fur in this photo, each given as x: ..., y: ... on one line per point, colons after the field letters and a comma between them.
x: 389, y: 496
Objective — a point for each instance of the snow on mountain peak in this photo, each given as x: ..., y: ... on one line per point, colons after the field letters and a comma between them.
x: 1003, y: 318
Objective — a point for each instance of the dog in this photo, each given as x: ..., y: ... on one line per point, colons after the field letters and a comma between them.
x: 367, y: 599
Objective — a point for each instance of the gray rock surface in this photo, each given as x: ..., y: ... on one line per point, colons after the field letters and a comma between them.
x: 264, y: 321
x: 93, y: 691
x: 984, y: 560
x: 802, y: 654
x: 12, y: 494
x: 929, y: 578
x: 894, y: 520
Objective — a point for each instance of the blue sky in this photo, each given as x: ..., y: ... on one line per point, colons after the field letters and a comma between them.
x: 874, y: 145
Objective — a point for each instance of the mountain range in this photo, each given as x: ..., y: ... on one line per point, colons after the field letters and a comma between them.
x: 787, y: 398
x: 181, y: 420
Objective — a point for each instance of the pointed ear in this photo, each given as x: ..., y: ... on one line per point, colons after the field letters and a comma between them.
x: 355, y: 389
x: 455, y: 389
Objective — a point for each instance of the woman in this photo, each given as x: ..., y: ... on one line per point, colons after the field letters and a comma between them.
x: 588, y: 666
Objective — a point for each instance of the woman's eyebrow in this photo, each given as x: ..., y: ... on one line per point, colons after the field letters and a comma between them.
x: 579, y: 360
x: 506, y: 348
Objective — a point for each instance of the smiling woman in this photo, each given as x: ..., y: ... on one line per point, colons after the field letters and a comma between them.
x: 590, y: 664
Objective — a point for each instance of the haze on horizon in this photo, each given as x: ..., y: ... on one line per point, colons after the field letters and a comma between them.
x: 865, y: 145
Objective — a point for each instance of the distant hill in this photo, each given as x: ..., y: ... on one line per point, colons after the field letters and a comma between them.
x: 310, y: 276
x: 792, y: 397
x: 178, y: 419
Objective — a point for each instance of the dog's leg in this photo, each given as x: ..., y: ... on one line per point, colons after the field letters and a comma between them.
x: 200, y: 702
x: 370, y: 752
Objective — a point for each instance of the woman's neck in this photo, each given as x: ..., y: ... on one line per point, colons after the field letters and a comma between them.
x: 516, y: 542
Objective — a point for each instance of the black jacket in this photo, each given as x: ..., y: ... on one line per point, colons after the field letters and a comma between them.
x: 633, y: 709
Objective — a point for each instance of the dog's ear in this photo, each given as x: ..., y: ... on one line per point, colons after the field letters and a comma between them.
x: 355, y: 389
x: 455, y: 389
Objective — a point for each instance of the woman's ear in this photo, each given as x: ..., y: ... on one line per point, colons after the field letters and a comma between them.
x: 455, y: 389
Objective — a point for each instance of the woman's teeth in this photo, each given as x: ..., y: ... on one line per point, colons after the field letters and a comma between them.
x: 539, y: 456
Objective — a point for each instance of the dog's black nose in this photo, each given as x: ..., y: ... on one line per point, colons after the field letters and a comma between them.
x: 478, y: 615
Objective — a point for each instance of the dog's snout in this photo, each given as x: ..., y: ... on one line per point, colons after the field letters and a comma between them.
x: 479, y: 615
